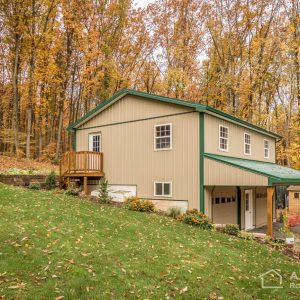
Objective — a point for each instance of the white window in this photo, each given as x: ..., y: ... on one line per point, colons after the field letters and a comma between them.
x: 223, y: 138
x: 163, y: 189
x: 163, y: 137
x: 247, y: 144
x: 266, y: 149
x: 95, y: 142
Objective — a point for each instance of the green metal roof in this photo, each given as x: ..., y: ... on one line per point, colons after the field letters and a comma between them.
x: 276, y: 174
x: 196, y: 106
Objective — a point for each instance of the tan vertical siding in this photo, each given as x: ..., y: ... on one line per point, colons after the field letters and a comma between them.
x: 208, y: 201
x: 129, y: 156
x: 216, y: 173
x: 133, y: 108
x: 260, y: 207
x: 236, y: 140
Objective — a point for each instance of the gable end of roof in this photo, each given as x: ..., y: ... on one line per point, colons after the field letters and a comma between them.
x: 197, y: 106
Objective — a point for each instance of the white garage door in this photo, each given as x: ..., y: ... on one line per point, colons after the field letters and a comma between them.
x: 120, y: 192
x: 224, y: 208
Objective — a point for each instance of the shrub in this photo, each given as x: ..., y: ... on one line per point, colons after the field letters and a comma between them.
x: 34, y: 186
x: 286, y: 228
x: 72, y: 192
x: 196, y: 218
x: 51, y: 181
x: 15, y: 171
x: 103, y: 191
x: 136, y: 204
x: 174, y: 212
x: 294, y: 220
x: 281, y: 216
x: 231, y: 229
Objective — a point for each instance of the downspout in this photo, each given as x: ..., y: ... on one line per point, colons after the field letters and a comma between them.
x: 74, y: 139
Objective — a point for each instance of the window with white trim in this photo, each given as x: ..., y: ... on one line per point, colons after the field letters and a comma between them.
x: 163, y: 137
x: 163, y: 189
x: 95, y: 142
x: 247, y: 144
x: 266, y: 149
x: 223, y: 138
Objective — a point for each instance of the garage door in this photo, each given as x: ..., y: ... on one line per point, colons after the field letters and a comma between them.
x: 117, y: 192
x: 224, y: 208
x: 120, y: 192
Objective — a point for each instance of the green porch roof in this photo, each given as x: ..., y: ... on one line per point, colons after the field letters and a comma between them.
x: 276, y: 174
x: 194, y: 105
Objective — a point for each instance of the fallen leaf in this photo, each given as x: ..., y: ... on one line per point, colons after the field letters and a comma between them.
x: 184, y: 290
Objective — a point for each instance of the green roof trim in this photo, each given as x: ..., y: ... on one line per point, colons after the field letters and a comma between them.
x: 196, y: 106
x: 276, y: 174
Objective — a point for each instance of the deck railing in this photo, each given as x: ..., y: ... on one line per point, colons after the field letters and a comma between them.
x: 82, y: 162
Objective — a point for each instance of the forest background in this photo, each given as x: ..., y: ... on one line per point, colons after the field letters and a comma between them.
x: 61, y: 58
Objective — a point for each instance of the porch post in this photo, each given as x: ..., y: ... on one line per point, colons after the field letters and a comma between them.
x: 270, y: 192
x: 85, y: 185
x: 239, y: 205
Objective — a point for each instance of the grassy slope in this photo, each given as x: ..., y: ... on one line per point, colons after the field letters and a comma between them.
x: 52, y: 245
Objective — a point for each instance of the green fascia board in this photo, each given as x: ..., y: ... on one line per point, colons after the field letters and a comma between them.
x: 275, y: 173
x: 283, y: 181
x: 197, y: 106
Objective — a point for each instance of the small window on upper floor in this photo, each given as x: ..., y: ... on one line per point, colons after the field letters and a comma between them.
x: 223, y: 138
x: 296, y: 195
x: 163, y: 137
x: 247, y: 144
x: 266, y: 149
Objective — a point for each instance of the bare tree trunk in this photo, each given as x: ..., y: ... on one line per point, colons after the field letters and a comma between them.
x: 30, y: 90
x: 59, y: 133
x: 29, y: 109
x: 15, y: 118
x: 296, y: 52
x: 28, y: 132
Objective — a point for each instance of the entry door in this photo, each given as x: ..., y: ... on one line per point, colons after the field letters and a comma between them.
x: 95, y: 145
x: 95, y: 142
x: 248, y: 209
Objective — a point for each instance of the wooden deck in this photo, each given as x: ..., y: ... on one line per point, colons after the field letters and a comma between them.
x: 82, y: 164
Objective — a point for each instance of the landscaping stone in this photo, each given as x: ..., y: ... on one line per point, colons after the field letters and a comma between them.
x: 23, y: 180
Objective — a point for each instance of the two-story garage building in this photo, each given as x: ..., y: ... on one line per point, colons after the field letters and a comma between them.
x: 179, y: 153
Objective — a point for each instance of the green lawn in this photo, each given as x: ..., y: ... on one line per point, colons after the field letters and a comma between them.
x: 53, y: 245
